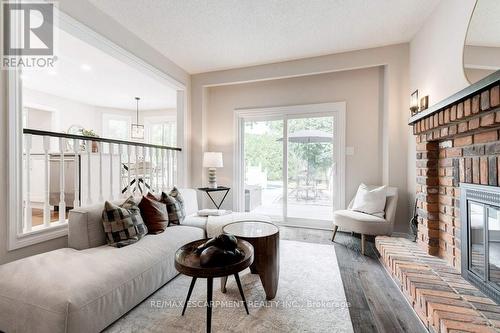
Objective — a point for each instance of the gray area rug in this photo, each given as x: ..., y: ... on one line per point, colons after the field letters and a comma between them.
x: 310, y: 298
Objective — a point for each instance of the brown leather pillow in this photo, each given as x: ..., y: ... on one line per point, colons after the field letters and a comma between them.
x: 154, y: 213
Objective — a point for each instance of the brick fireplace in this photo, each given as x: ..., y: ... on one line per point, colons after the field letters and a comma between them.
x: 457, y: 142
x: 447, y: 276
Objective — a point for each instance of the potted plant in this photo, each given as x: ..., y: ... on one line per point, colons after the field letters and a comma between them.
x: 91, y: 133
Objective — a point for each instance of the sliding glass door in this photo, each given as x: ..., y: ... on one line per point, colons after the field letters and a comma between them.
x: 290, y: 167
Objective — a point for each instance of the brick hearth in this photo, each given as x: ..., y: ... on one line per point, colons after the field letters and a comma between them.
x: 443, y: 300
x: 457, y: 144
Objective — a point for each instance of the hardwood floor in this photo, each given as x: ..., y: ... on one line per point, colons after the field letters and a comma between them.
x: 377, y: 305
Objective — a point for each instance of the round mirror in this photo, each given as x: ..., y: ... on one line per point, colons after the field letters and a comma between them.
x: 482, y: 44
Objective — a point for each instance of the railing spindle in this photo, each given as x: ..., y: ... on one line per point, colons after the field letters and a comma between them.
x: 62, y: 199
x: 157, y: 170
x: 111, y: 152
x: 46, y: 188
x: 136, y: 167
x: 150, y: 153
x: 162, y: 170
x: 101, y: 196
x: 89, y: 179
x: 27, y: 201
x: 120, y: 172
x: 174, y: 167
x: 144, y: 172
x: 76, y: 151
x: 129, y: 185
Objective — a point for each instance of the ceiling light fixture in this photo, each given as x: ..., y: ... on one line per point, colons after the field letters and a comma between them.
x: 137, y: 130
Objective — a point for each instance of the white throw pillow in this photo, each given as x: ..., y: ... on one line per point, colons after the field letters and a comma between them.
x: 370, y: 200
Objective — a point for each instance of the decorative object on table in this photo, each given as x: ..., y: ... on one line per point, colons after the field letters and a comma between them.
x: 187, y: 262
x: 92, y: 134
x: 424, y: 103
x: 414, y: 222
x: 154, y: 213
x: 212, y: 161
x: 209, y: 190
x: 265, y: 238
x: 137, y: 131
x: 219, y: 251
x: 213, y: 212
x: 175, y: 206
x: 414, y: 103
x: 123, y: 224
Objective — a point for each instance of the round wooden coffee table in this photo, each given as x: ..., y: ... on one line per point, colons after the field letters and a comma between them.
x: 265, y: 237
x: 187, y: 262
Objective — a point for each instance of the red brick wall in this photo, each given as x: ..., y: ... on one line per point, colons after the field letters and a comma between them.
x: 459, y: 143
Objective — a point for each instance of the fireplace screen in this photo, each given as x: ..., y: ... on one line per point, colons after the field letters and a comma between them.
x: 480, y: 207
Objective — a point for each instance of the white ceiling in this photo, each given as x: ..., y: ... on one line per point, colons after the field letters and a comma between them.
x: 202, y: 36
x: 88, y: 75
x: 484, y: 28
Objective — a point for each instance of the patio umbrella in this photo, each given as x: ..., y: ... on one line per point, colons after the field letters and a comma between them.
x: 309, y: 136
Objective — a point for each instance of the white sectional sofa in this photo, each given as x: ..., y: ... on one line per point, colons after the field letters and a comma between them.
x: 86, y: 287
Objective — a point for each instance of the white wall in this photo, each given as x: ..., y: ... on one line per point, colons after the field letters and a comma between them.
x: 395, y: 91
x: 436, y: 62
x: 361, y: 89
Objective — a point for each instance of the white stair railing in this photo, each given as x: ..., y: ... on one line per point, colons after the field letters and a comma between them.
x: 74, y: 174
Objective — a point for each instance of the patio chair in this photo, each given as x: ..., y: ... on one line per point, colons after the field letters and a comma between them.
x: 366, y: 224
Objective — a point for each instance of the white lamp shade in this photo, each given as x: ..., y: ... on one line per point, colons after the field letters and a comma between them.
x: 212, y: 160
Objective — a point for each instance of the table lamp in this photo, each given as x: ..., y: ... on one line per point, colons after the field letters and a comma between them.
x: 212, y: 160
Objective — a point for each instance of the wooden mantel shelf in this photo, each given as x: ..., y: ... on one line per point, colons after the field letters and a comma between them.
x: 488, y: 81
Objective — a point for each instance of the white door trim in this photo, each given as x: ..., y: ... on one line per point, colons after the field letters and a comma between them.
x: 282, y: 112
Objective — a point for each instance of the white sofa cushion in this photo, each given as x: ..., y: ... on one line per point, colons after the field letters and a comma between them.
x: 361, y: 223
x: 84, y: 291
x: 190, y: 200
x: 370, y: 200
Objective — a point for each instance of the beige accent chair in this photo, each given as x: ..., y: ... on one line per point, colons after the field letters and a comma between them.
x: 366, y: 224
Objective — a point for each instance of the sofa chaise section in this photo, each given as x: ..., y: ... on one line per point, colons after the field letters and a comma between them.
x: 67, y: 290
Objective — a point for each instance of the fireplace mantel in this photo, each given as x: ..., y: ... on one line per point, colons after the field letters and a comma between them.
x: 470, y: 91
x: 458, y: 142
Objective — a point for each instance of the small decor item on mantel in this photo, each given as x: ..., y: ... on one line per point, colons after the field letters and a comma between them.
x: 414, y: 103
x: 212, y: 160
x: 92, y: 134
x: 414, y: 223
x: 424, y: 103
x: 219, y: 251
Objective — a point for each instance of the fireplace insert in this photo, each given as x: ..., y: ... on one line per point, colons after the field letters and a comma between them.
x: 480, y: 241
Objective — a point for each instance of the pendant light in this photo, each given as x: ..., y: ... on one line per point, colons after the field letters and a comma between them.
x: 137, y: 130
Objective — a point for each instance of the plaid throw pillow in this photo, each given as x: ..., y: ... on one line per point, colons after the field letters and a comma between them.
x: 175, y: 206
x: 123, y: 224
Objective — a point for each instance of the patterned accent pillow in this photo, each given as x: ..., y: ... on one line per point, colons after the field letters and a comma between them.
x: 123, y: 224
x: 175, y: 206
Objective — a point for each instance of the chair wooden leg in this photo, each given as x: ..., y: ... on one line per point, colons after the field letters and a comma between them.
x: 334, y: 232
x: 362, y: 244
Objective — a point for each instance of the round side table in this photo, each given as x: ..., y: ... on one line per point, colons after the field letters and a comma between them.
x: 187, y: 262
x: 265, y: 237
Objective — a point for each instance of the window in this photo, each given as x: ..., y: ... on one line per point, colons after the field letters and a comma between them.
x: 161, y: 130
x: 116, y: 126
